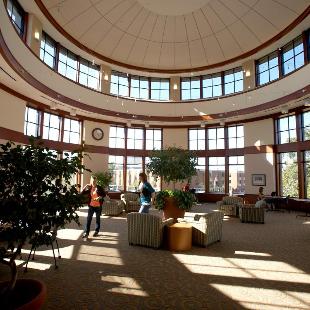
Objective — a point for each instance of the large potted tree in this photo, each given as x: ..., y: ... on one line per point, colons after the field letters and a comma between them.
x: 35, y: 196
x: 174, y: 165
x: 104, y: 179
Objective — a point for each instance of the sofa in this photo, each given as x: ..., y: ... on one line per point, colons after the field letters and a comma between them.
x: 207, y: 227
x: 112, y: 206
x: 131, y: 202
x: 229, y: 205
x: 248, y: 213
x: 146, y: 229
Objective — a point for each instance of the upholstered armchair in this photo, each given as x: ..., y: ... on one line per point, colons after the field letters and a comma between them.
x: 229, y: 205
x: 248, y: 213
x: 207, y: 227
x: 146, y: 229
x: 112, y: 206
x: 131, y: 202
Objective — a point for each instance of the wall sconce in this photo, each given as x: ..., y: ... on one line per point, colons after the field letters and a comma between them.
x: 73, y: 112
x: 106, y: 77
x: 175, y: 86
x: 247, y: 73
x: 37, y: 35
x: 202, y: 124
x: 147, y: 125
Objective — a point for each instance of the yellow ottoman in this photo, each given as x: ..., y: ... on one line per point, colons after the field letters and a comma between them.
x: 179, y: 237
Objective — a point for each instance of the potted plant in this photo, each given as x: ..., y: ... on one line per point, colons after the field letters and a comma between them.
x: 173, y: 165
x: 104, y: 179
x: 35, y: 195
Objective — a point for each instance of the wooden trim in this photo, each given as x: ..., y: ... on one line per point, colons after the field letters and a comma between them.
x: 282, y: 33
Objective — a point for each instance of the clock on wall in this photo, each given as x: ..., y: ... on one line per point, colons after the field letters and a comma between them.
x: 97, y: 133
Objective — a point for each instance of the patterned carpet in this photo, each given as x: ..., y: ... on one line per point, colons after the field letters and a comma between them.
x: 255, y: 266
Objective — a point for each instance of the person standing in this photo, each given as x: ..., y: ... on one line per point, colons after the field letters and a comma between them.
x: 146, y: 193
x: 95, y: 199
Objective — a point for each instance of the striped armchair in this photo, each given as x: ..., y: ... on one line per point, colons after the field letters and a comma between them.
x: 248, y: 213
x: 131, y: 201
x: 207, y: 227
x: 112, y: 206
x: 229, y: 205
x: 146, y: 229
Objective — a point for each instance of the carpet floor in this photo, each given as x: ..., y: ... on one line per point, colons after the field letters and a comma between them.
x: 255, y: 266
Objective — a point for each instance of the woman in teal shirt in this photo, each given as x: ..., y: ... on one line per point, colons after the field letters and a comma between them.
x: 146, y: 193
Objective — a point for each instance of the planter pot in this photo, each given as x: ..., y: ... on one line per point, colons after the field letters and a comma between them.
x: 171, y: 209
x: 28, y: 294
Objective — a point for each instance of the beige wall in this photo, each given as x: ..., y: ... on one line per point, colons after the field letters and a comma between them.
x: 259, y: 164
x: 88, y: 128
x: 259, y: 133
x: 34, y: 26
x: 175, y: 137
x: 96, y: 163
x: 12, y: 112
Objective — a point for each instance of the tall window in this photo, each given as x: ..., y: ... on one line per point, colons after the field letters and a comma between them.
x: 155, y: 182
x: 190, y: 88
x: 197, y: 139
x: 117, y: 137
x: 116, y: 168
x: 288, y: 173
x: 17, y: 16
x: 267, y: 69
x: 32, y: 122
x: 135, y: 138
x: 236, y: 175
x: 48, y: 50
x: 67, y: 64
x: 198, y: 181
x: 139, y: 87
x: 216, y: 139
x: 307, y: 173
x: 134, y: 167
x: 293, y: 55
x: 51, y: 127
x: 160, y: 89
x: 217, y: 174
x: 119, y: 84
x: 89, y: 74
x: 233, y: 81
x: 153, y: 139
x: 286, y: 129
x: 212, y: 85
x: 72, y: 131
x: 306, y: 126
x: 235, y: 137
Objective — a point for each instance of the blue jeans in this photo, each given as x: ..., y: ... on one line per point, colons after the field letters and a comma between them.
x: 91, y: 211
x: 144, y: 208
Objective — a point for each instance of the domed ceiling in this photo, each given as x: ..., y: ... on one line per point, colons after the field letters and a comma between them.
x: 173, y: 34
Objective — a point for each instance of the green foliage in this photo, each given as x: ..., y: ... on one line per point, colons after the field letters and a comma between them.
x: 172, y: 164
x: 35, y: 194
x: 290, y: 180
x: 103, y: 178
x: 185, y: 200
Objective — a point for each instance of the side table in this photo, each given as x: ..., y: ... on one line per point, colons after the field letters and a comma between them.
x: 179, y: 237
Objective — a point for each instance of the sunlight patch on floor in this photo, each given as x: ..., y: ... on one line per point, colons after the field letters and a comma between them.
x: 268, y: 299
x: 124, y: 285
x: 65, y: 252
x: 99, y: 254
x: 251, y: 253
x: 69, y: 234
x: 243, y: 268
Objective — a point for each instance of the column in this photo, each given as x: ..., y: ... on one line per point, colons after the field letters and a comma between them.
x: 249, y: 75
x: 105, y: 72
x: 175, y: 88
x: 34, y: 34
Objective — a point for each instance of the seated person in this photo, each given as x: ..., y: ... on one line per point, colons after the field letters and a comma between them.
x: 260, y: 199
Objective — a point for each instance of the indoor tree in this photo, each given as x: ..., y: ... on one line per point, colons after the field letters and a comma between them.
x: 36, y: 194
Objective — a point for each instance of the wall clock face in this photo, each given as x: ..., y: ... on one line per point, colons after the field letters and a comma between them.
x: 97, y: 133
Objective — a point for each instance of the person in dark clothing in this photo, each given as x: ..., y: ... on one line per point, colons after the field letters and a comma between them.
x: 95, y: 199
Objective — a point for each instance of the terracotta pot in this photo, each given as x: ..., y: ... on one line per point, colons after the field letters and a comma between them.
x: 28, y: 294
x: 171, y: 209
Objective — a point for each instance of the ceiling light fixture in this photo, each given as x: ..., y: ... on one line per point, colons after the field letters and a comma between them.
x: 73, y: 112
x: 284, y: 110
x: 202, y: 124
x: 54, y: 106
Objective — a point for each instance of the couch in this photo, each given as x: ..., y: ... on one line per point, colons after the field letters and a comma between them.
x: 112, y: 206
x: 131, y: 202
x: 207, y: 227
x: 248, y: 213
x: 229, y: 205
x: 146, y: 229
